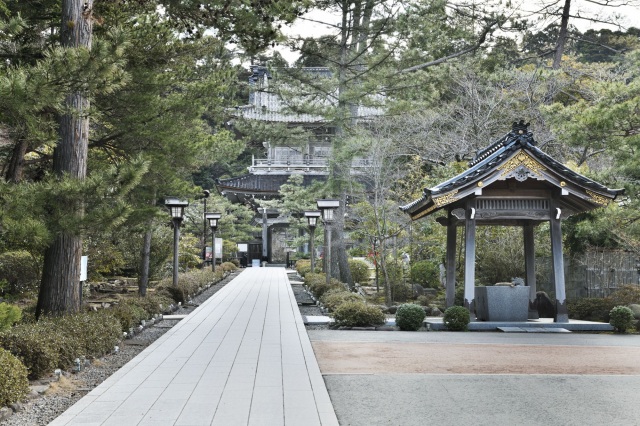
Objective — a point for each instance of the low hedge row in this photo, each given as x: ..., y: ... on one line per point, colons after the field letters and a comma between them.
x: 56, y: 342
x: 190, y: 283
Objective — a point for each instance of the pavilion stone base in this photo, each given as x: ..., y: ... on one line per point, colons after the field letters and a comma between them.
x: 502, y: 303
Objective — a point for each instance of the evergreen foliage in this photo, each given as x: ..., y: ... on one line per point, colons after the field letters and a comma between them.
x: 358, y: 314
x: 456, y: 318
x: 621, y: 318
x: 409, y: 317
x: 9, y: 315
x: 14, y: 384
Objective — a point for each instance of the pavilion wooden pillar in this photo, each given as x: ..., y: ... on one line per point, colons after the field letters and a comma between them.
x: 530, y: 266
x: 469, y: 254
x: 562, y: 314
x: 451, y: 260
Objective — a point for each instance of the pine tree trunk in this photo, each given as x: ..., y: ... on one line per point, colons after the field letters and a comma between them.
x: 562, y: 35
x: 16, y: 164
x: 60, y: 288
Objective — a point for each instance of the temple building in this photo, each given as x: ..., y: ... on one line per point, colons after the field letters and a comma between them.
x: 266, y: 175
x: 511, y: 183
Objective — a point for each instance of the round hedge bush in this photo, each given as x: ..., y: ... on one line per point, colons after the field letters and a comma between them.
x: 14, y: 384
x: 456, y: 318
x: 358, y: 314
x: 409, y: 317
x: 621, y: 318
x: 359, y: 271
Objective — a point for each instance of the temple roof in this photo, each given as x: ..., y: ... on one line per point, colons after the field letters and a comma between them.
x: 248, y: 187
x: 514, y: 156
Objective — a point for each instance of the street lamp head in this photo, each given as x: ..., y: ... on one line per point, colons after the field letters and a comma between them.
x: 213, y: 219
x: 328, y: 207
x: 176, y: 207
x: 312, y: 217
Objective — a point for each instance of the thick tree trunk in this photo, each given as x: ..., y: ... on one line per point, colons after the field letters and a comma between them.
x: 60, y: 288
x: 562, y: 35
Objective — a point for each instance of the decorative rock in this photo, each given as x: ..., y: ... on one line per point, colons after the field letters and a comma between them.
x: 418, y: 290
x: 16, y: 407
x: 392, y: 309
x: 5, y: 413
x: 435, y: 312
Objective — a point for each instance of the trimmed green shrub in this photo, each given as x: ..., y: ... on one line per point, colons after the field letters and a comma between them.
x: 152, y: 303
x: 14, y: 384
x: 86, y: 334
x: 336, y: 297
x: 128, y: 313
x: 456, y: 318
x: 424, y: 300
x: 409, y: 317
x: 621, y: 318
x: 56, y: 342
x: 188, y: 284
x: 359, y: 271
x: 21, y: 272
x: 635, y: 308
x: 9, y: 315
x: 425, y: 273
x: 358, y: 314
x: 625, y: 295
x: 33, y: 346
x: 401, y: 292
x: 303, y: 266
x: 228, y: 267
x: 591, y: 309
x: 317, y: 283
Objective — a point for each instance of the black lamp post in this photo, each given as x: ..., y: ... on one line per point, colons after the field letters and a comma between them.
x: 176, y: 207
x: 205, y: 195
x: 312, y: 218
x: 328, y: 208
x: 213, y: 224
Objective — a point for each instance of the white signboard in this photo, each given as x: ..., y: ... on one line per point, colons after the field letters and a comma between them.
x: 243, y: 248
x: 218, y: 248
x: 84, y: 264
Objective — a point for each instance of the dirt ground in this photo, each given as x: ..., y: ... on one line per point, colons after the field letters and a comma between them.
x: 440, y: 358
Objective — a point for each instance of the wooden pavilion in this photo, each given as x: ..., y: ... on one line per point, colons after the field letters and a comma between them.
x: 511, y: 183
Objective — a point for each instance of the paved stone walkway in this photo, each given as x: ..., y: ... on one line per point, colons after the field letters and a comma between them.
x: 242, y: 358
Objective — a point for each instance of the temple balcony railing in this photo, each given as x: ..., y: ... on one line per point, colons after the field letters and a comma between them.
x: 304, y: 165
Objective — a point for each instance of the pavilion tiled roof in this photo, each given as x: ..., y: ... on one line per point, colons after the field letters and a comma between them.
x: 490, y: 159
